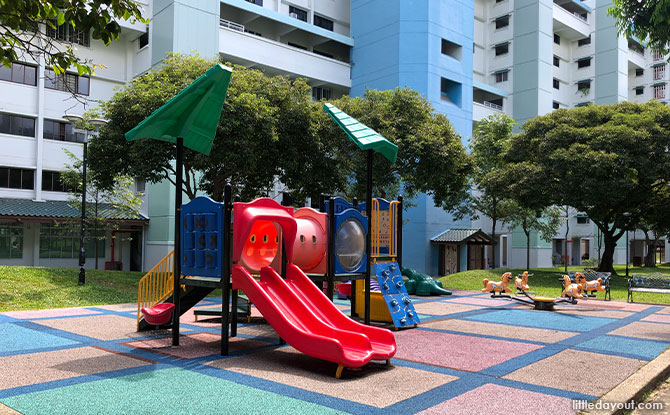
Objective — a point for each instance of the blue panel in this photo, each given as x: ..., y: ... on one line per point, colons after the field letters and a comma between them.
x: 341, y: 205
x: 395, y: 294
x: 340, y: 218
x: 202, y: 238
x: 15, y: 337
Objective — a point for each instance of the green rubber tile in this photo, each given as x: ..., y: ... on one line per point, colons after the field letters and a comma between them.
x: 174, y: 391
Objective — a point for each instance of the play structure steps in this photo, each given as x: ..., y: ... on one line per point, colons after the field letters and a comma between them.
x: 211, y: 282
x: 156, y: 287
x: 314, y: 330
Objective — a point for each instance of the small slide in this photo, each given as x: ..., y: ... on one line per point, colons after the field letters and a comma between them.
x: 382, y: 340
x: 304, y: 328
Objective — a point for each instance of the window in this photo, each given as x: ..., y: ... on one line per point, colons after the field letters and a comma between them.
x: 639, y: 72
x: 19, y: 73
x: 319, y: 93
x: 555, y: 105
x: 451, y: 91
x: 144, y: 39
x: 557, y: 61
x: 659, y: 91
x: 17, y: 178
x: 557, y: 84
x: 557, y: 39
x: 583, y: 63
x: 323, y: 22
x: 62, y: 241
x: 659, y: 72
x: 61, y: 131
x: 452, y: 49
x: 295, y: 45
x: 502, y: 49
x: 639, y: 90
x: 17, y: 125
x: 11, y: 240
x: 67, y: 33
x: 584, y: 86
x: 51, y: 181
x: 67, y: 82
x: 499, y: 1
x: 501, y: 76
x: 585, y: 41
x: 582, y: 104
x: 502, y: 21
x: 256, y: 2
x: 297, y: 13
x: 582, y: 220
x: 657, y: 55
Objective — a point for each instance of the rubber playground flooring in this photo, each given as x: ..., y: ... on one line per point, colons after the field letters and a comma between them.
x: 471, y: 355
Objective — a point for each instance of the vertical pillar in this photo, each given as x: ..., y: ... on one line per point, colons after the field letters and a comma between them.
x: 177, y: 242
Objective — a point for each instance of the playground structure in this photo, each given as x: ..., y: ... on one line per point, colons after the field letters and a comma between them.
x: 211, y: 253
x: 499, y: 289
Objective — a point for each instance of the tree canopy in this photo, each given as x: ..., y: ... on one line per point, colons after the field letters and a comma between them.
x: 606, y: 161
x: 49, y: 29
x: 648, y: 20
x: 270, y: 131
x: 489, y: 195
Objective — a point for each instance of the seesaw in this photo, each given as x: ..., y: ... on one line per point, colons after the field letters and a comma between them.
x: 499, y: 289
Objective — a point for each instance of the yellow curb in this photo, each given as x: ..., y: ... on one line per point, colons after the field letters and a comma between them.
x: 639, y: 383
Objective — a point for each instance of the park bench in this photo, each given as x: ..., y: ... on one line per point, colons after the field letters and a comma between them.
x: 591, y: 275
x: 652, y: 283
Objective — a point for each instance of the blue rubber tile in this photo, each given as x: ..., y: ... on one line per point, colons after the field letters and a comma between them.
x: 17, y: 338
x: 175, y: 391
x: 617, y: 344
x: 542, y: 319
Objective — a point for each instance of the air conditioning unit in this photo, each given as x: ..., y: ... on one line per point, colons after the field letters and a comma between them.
x: 294, y: 15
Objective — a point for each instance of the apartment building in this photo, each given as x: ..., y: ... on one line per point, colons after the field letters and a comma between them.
x: 470, y: 59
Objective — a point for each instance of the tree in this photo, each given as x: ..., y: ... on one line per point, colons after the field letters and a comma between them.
x: 270, y: 130
x: 49, y: 28
x: 545, y: 222
x: 489, y: 196
x: 431, y: 157
x: 655, y: 223
x: 120, y: 197
x: 648, y: 20
x: 605, y: 161
x: 245, y: 150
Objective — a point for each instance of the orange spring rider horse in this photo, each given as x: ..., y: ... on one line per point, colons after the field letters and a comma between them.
x: 594, y: 285
x: 521, y: 284
x: 498, y: 286
x: 570, y: 289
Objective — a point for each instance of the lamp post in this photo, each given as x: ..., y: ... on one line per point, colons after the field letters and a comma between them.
x: 627, y: 243
x: 74, y: 118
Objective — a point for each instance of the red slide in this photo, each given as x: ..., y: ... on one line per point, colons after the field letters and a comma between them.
x: 297, y: 324
x: 382, y: 340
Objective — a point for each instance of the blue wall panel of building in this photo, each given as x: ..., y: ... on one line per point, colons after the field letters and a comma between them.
x: 397, y: 44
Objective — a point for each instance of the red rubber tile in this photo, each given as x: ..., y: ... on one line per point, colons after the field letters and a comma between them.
x: 457, y: 351
x: 496, y: 399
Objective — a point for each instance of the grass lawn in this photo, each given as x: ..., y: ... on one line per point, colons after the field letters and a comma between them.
x: 34, y: 288
x: 545, y: 281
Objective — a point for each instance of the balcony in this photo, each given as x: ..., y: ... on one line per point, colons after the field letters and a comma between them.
x: 239, y: 44
x: 569, y: 20
x: 487, y: 100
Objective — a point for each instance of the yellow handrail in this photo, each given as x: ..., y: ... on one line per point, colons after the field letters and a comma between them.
x: 156, y: 285
x: 376, y: 232
x: 393, y: 228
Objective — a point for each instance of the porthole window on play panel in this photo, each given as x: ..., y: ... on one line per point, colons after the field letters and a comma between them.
x: 350, y: 244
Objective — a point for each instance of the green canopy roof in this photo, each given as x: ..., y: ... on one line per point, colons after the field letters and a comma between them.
x: 365, y: 137
x: 192, y: 114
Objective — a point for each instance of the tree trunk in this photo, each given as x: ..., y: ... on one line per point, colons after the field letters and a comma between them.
x: 650, y: 258
x: 493, y: 237
x: 607, y: 261
x: 527, y: 232
x: 567, y: 229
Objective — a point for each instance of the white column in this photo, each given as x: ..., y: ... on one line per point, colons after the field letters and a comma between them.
x: 39, y: 130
